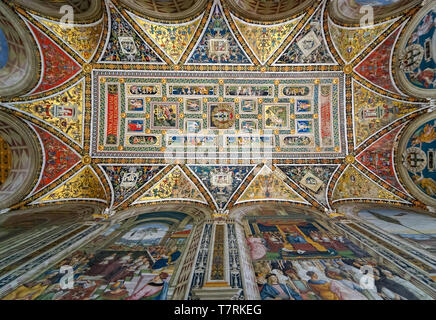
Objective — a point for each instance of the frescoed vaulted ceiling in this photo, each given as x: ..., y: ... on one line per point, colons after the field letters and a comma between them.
x: 223, y: 103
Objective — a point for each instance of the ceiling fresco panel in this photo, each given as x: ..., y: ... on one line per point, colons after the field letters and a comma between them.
x: 82, y: 38
x: 416, y: 63
x: 350, y: 42
x: 264, y: 40
x: 147, y: 115
x: 173, y: 39
x: 202, y: 149
x: 127, y: 180
x: 353, y: 184
x: 313, y: 179
x: 176, y: 185
x: 221, y: 181
x: 84, y: 185
x: 372, y: 111
x: 379, y: 158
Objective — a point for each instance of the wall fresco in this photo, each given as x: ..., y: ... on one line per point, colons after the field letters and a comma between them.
x: 58, y: 66
x: 58, y: 158
x: 4, y: 49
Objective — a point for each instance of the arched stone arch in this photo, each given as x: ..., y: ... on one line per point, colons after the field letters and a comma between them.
x: 19, y: 74
x: 26, y: 159
x: 54, y: 212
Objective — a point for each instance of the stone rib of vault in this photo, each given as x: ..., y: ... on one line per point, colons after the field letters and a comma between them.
x: 264, y: 40
x: 353, y: 184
